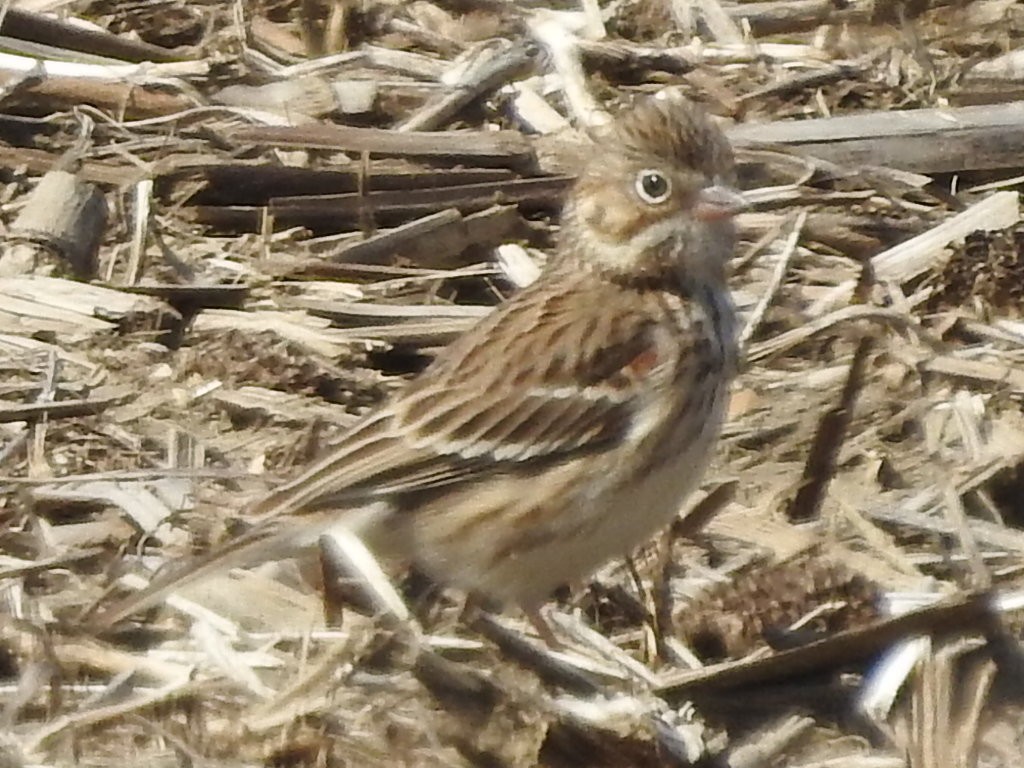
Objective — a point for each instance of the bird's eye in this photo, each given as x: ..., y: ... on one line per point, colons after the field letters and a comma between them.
x: 652, y: 186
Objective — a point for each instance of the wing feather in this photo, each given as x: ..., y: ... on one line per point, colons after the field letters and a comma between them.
x: 470, y: 416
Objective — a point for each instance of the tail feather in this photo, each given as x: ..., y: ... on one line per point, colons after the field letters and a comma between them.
x: 263, y: 543
x: 272, y: 539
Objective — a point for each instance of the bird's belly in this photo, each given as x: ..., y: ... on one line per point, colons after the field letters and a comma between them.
x: 561, y: 538
x: 629, y: 516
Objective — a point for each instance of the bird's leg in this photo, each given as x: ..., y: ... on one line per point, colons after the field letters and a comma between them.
x: 544, y: 630
x: 347, y: 555
x: 475, y: 608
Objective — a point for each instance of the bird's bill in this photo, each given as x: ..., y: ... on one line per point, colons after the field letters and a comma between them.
x: 718, y: 202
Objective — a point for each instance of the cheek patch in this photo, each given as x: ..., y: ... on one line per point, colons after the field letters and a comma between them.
x: 616, y: 215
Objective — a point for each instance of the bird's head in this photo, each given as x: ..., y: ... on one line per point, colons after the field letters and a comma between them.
x: 655, y: 195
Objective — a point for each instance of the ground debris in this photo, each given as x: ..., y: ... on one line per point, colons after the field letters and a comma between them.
x: 282, y: 209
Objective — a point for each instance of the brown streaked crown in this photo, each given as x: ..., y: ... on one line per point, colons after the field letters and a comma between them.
x: 674, y: 130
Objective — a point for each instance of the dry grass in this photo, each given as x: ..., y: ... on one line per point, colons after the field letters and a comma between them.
x: 247, y: 242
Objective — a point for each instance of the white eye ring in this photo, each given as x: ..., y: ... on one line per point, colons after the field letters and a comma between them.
x: 653, y: 186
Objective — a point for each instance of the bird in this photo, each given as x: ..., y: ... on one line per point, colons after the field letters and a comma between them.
x: 568, y: 426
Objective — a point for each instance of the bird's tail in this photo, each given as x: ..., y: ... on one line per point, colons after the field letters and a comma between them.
x: 259, y: 544
x: 269, y: 540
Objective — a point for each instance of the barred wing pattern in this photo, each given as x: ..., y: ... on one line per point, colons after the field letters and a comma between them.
x: 491, y: 405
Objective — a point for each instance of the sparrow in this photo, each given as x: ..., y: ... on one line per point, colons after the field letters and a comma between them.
x: 569, y: 425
